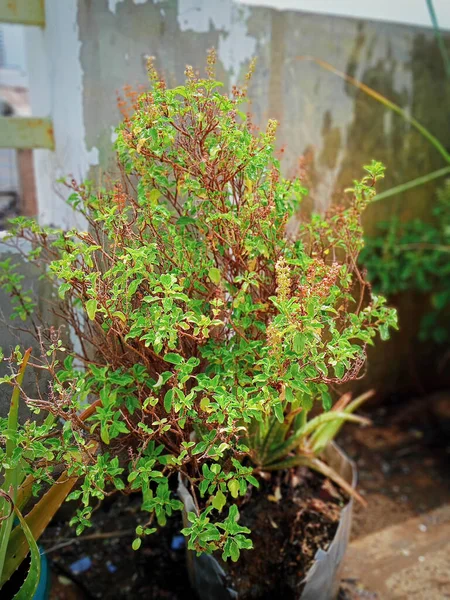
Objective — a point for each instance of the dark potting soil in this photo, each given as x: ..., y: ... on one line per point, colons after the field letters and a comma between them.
x: 291, y: 516
x: 102, y: 564
x: 403, y: 471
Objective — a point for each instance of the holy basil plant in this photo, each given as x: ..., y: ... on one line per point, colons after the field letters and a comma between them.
x: 196, y: 320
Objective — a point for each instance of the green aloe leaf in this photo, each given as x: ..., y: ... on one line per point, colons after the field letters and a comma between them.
x: 327, y: 432
x: 295, y: 440
x: 29, y: 586
x: 11, y: 480
x: 36, y: 520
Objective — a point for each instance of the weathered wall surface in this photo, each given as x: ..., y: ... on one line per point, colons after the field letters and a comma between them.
x: 334, y: 125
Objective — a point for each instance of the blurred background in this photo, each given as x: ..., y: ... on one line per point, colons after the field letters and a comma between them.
x: 349, y: 81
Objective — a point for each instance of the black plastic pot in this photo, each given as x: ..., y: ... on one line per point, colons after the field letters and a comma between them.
x: 209, y: 579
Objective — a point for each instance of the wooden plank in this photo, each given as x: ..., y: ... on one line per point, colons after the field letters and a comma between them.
x: 26, y: 12
x: 26, y: 132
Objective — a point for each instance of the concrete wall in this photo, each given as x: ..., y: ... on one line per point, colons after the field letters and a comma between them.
x: 406, y: 12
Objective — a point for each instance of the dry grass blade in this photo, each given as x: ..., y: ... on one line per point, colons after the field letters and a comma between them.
x: 317, y: 465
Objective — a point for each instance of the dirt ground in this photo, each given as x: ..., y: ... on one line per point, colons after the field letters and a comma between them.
x: 403, y: 470
x: 402, y: 461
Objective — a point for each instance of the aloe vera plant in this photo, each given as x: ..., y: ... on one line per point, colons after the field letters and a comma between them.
x: 297, y: 441
x: 16, y: 490
x: 9, y: 491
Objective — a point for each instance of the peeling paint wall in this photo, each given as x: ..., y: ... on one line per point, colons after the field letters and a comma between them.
x: 56, y: 90
x: 321, y: 118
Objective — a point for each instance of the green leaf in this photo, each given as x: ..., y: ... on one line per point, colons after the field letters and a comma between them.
x: 299, y: 343
x: 205, y: 403
x: 289, y: 394
x: 327, y: 402
x: 153, y: 196
x: 219, y: 500
x: 91, y: 308
x: 29, y: 586
x: 214, y: 275
x: 168, y: 400
x: 252, y: 480
x: 278, y: 410
x: 37, y: 520
x: 384, y: 331
x: 234, y: 551
x: 339, y: 370
x: 308, y: 428
x: 185, y: 221
x: 173, y: 358
x: 11, y: 473
x: 119, y: 314
x: 63, y: 288
x: 136, y: 544
x: 233, y: 486
x: 104, y: 434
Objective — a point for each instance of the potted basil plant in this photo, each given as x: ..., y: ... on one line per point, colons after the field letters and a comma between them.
x: 206, y: 336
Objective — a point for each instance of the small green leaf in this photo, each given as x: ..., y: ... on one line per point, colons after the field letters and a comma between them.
x: 174, y: 359
x: 204, y: 403
x: 339, y: 370
x: 63, y: 288
x: 326, y: 401
x: 168, y: 400
x: 136, y: 544
x: 91, y: 308
x: 185, y: 221
x: 252, y: 480
x: 214, y: 275
x: 104, y: 434
x: 119, y: 314
x: 384, y: 331
x: 234, y: 551
x: 219, y: 501
x: 299, y: 343
x: 278, y: 410
x: 233, y: 486
x: 153, y: 196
